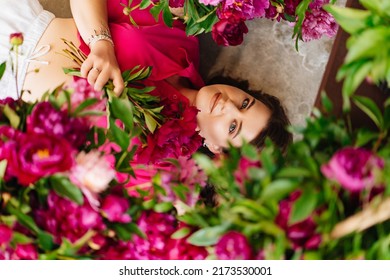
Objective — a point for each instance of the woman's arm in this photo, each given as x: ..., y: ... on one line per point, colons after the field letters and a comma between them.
x: 101, y: 65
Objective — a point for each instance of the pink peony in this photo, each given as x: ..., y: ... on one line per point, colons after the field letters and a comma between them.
x: 210, y: 2
x: 5, y: 234
x: 176, y: 3
x: 186, y: 173
x: 158, y: 228
x: 92, y: 173
x: 65, y: 218
x: 353, y: 168
x: 114, y: 207
x: 117, y: 250
x: 180, y: 249
x: 176, y: 137
x: 243, y: 9
x: 45, y: 119
x: 229, y: 32
x: 82, y: 90
x: 318, y: 22
x: 302, y: 234
x: 25, y: 252
x: 33, y: 156
x: 233, y: 246
x: 241, y: 174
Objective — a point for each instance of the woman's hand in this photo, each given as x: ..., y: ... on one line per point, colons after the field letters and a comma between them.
x: 101, y: 66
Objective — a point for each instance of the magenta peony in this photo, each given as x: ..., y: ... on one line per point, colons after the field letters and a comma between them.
x: 65, y: 218
x: 353, y: 168
x: 233, y: 246
x: 243, y: 9
x: 176, y: 137
x: 45, y: 119
x: 158, y: 228
x: 241, y: 174
x: 302, y: 234
x: 117, y: 250
x: 210, y: 2
x: 176, y: 3
x: 186, y: 173
x: 5, y: 234
x: 114, y: 208
x: 180, y: 249
x: 229, y: 32
x: 318, y: 22
x: 33, y: 156
x: 25, y: 252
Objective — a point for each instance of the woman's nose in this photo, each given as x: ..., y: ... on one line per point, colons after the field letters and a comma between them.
x: 229, y: 107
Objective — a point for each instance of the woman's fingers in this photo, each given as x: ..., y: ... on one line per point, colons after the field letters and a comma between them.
x: 93, y: 75
x: 118, y: 82
x: 101, y: 80
x: 86, y: 67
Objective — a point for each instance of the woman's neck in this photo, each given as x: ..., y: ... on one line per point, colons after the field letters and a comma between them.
x: 183, y: 85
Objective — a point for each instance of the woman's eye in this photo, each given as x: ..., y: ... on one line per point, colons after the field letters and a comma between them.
x: 232, y: 127
x: 245, y: 103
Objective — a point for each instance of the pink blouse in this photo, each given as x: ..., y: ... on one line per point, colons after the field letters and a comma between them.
x: 168, y: 50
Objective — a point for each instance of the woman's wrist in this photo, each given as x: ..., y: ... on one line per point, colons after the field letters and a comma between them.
x: 103, y: 34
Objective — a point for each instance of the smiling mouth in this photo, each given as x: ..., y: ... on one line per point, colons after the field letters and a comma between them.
x: 214, y: 101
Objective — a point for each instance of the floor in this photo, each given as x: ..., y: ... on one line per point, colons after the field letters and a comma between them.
x: 267, y: 59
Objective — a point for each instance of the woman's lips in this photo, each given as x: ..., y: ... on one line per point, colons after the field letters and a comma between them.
x: 214, y: 101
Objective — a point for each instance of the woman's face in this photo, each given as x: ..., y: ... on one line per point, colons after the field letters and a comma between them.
x: 228, y: 114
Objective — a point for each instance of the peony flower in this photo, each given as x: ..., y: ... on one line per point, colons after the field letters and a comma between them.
x: 5, y: 234
x: 82, y: 91
x: 25, y: 252
x: 45, y: 119
x: 176, y: 3
x: 16, y: 39
x: 318, y: 22
x: 233, y: 246
x: 64, y: 218
x: 92, y: 173
x: 243, y: 9
x: 210, y: 2
x: 117, y: 250
x: 7, y: 101
x: 114, y: 207
x: 176, y: 137
x: 158, y: 228
x: 302, y: 234
x: 241, y: 174
x: 229, y: 32
x: 353, y: 168
x: 186, y: 173
x: 33, y: 156
x: 180, y: 249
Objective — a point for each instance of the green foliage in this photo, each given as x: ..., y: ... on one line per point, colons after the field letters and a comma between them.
x: 368, y: 47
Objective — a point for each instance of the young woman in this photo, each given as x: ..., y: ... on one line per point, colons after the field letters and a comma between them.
x: 113, y: 44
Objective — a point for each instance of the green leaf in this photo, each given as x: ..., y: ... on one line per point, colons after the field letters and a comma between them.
x: 3, y: 167
x: 13, y: 118
x: 63, y: 187
x: 86, y: 103
x: 19, y: 238
x: 293, y: 172
x: 278, y: 189
x: 207, y: 236
x: 351, y: 20
x: 369, y: 107
x: 45, y: 241
x: 2, y: 69
x: 122, y: 109
x: 23, y: 219
x: 144, y: 4
x: 249, y: 151
x: 150, y: 122
x: 163, y: 207
x: 119, y: 136
x: 365, y: 136
x: 181, y: 233
x: 304, y: 206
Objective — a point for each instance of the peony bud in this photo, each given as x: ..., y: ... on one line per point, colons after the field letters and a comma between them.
x: 16, y: 39
x: 126, y: 11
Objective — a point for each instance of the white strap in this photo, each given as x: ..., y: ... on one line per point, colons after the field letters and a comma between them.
x: 41, y: 51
